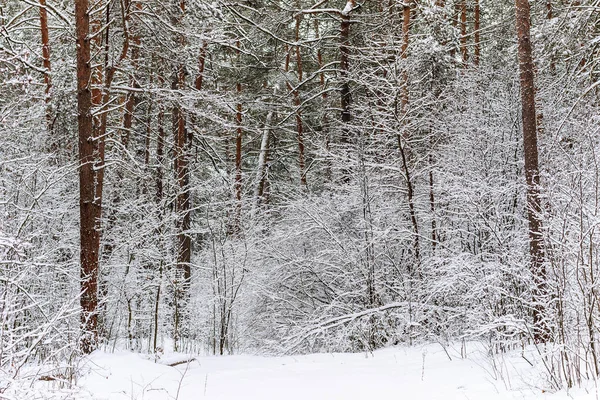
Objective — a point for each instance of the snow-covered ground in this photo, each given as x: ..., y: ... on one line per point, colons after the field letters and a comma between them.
x: 409, y: 373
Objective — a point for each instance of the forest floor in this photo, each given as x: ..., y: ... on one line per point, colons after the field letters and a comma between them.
x: 429, y: 372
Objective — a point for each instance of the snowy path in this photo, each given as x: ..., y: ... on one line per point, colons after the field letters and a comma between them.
x: 403, y: 373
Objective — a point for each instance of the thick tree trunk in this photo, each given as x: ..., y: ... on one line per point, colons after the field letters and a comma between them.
x: 297, y: 103
x: 201, y: 64
x: 344, y: 69
x: 92, y: 93
x: 463, y: 32
x: 182, y: 200
x: 131, y: 100
x: 182, y: 204
x: 455, y: 18
x: 89, y: 206
x: 532, y: 175
x: 46, y: 61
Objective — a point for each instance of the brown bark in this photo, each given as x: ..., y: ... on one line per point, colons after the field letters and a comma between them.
x: 131, y: 99
x: 181, y: 159
x: 89, y: 207
x: 324, y: 122
x: 201, y: 64
x: 182, y: 200
x: 97, y: 71
x: 530, y: 149
x: 455, y: 17
x: 477, y: 27
x: 182, y: 205
x: 297, y: 103
x: 46, y: 60
x: 463, y: 32
x: 92, y: 93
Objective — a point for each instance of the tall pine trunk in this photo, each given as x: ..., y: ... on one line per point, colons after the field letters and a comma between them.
x: 46, y: 61
x: 532, y: 173
x: 89, y: 207
x: 297, y: 103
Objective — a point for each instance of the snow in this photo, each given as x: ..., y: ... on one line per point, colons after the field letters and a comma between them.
x: 347, y: 8
x: 428, y: 372
x: 412, y: 373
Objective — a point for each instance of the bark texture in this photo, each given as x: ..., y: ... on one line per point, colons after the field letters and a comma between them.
x: 89, y: 207
x: 46, y: 60
x: 532, y: 175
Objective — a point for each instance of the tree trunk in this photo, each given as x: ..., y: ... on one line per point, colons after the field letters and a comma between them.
x: 455, y: 17
x: 160, y: 145
x: 463, y: 32
x: 297, y: 102
x: 261, y: 172
x: 434, y: 236
x: 182, y: 204
x: 89, y: 207
x: 131, y: 100
x: 532, y: 176
x: 346, y: 98
x: 46, y: 61
x: 324, y: 123
x: 238, y: 164
x: 402, y: 136
x: 182, y: 200
x: 477, y: 34
x: 201, y: 64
